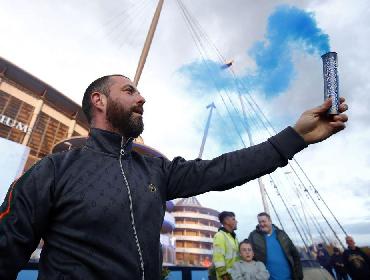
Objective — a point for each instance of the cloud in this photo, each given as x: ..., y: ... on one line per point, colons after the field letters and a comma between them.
x: 288, y: 29
x: 358, y: 228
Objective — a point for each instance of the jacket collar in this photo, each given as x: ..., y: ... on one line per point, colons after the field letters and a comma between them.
x: 108, y: 142
x: 225, y: 230
x: 274, y: 228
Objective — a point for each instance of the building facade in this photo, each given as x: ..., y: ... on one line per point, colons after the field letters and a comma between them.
x: 195, y: 227
x: 34, y: 114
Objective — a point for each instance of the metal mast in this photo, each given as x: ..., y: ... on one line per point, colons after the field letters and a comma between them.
x: 260, y: 183
x: 212, y: 106
x: 148, y: 42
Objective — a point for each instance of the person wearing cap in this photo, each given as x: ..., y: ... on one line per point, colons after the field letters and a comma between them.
x: 225, y: 245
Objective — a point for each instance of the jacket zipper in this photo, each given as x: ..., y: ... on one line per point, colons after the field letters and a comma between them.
x: 122, y: 153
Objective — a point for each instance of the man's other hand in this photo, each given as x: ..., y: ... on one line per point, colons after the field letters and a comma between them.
x: 315, y: 125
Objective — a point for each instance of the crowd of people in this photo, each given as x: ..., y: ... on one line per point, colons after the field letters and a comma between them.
x: 269, y: 253
x: 353, y: 262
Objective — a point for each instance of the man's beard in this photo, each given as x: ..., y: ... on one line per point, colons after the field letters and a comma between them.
x: 123, y: 120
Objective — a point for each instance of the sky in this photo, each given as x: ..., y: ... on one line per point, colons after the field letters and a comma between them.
x: 276, y: 48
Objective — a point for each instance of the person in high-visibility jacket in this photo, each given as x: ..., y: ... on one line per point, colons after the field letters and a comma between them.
x: 225, y: 246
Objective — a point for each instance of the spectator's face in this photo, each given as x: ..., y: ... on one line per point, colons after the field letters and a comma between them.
x: 231, y: 222
x: 246, y: 252
x: 350, y: 242
x: 265, y: 224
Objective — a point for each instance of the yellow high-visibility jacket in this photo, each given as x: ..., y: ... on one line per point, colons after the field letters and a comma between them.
x: 225, y: 252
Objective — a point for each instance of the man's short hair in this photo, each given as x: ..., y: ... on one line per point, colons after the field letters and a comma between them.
x: 101, y: 85
x: 245, y: 241
x: 225, y: 214
x: 264, y: 214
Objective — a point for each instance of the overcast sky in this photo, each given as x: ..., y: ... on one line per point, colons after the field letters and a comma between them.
x: 276, y: 48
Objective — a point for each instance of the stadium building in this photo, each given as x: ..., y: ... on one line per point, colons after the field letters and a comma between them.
x: 195, y: 227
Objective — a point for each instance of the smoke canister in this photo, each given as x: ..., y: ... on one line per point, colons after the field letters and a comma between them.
x: 331, y: 80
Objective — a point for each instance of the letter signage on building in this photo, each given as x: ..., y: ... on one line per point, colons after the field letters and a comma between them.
x: 14, y: 123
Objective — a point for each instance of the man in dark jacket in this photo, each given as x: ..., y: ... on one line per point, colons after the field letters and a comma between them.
x: 338, y: 265
x: 99, y: 208
x: 273, y: 247
x: 356, y: 261
x: 323, y: 258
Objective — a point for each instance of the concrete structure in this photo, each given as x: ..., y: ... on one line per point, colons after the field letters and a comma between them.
x: 34, y: 114
x: 195, y: 227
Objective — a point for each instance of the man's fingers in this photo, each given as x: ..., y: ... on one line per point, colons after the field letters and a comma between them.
x: 337, y: 126
x: 327, y: 103
x: 343, y: 107
x: 340, y: 118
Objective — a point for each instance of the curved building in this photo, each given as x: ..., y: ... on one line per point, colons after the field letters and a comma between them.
x: 195, y: 227
x: 34, y: 114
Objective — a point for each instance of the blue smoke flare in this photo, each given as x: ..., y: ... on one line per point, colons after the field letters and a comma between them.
x: 288, y: 29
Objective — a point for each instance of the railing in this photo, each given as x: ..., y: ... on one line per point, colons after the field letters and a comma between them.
x: 193, y: 238
x: 310, y: 267
x: 187, y: 273
x: 184, y: 214
x: 194, y: 251
x: 176, y: 272
x: 196, y: 227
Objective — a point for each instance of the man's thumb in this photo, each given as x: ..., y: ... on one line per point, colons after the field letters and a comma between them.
x: 323, y: 107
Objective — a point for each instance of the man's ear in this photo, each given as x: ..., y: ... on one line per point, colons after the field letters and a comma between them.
x: 98, y: 101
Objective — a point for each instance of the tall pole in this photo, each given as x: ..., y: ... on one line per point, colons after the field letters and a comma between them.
x: 212, y: 106
x: 260, y: 183
x: 304, y: 215
x: 148, y: 42
x: 290, y: 178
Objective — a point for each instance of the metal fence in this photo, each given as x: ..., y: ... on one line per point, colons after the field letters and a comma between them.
x: 30, y: 272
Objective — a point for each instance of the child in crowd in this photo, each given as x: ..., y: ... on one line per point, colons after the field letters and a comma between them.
x: 247, y: 268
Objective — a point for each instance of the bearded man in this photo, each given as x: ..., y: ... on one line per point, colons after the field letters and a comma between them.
x: 100, y: 208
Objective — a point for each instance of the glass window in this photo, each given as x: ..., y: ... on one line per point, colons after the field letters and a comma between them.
x: 46, y: 133
x: 18, y: 114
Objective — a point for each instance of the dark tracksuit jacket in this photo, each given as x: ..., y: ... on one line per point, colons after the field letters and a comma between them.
x: 94, y: 218
x: 258, y: 241
x: 357, y: 263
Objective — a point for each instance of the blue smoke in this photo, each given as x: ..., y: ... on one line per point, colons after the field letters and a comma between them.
x: 206, y: 75
x: 288, y: 29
